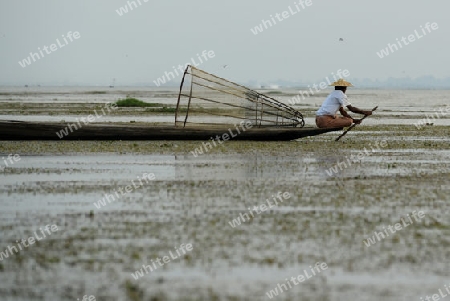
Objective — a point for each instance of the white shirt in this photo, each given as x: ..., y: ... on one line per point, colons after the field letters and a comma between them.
x: 334, y: 101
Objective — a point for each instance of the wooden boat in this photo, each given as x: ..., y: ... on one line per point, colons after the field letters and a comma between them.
x: 20, y: 130
x: 201, y: 94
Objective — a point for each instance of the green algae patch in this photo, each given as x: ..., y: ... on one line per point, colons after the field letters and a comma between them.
x: 133, y: 102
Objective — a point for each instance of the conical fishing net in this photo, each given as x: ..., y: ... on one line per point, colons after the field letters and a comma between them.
x: 207, y: 99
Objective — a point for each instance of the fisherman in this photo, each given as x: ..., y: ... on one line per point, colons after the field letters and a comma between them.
x: 326, y: 116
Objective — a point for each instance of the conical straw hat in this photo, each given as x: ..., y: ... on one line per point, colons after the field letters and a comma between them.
x: 341, y: 83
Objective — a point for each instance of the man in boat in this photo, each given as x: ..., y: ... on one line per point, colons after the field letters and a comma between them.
x: 326, y: 116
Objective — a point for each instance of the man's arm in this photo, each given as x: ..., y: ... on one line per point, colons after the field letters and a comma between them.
x: 357, y: 111
x: 344, y: 112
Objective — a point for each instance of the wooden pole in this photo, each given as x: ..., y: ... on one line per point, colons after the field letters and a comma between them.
x: 353, y: 125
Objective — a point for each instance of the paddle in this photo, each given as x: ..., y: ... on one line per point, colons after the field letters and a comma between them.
x: 353, y: 125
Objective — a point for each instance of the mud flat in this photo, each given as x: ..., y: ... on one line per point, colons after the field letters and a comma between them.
x: 391, y: 171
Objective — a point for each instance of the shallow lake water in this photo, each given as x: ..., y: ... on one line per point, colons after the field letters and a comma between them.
x: 327, y: 217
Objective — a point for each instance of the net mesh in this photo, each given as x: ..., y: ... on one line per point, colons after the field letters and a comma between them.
x: 207, y: 99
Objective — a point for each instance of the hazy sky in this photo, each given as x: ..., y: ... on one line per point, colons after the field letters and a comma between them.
x: 141, y: 45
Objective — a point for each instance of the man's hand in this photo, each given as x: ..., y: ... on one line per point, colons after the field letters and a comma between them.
x: 357, y: 121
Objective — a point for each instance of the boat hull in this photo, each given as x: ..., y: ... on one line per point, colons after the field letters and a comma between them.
x: 19, y: 130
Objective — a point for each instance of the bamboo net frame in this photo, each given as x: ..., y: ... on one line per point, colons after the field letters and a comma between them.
x: 208, y: 99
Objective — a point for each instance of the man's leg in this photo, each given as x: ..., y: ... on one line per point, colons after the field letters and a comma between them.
x: 342, y: 122
x: 330, y: 122
x: 323, y: 121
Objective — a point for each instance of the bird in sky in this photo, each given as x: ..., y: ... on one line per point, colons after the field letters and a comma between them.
x: 341, y: 39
